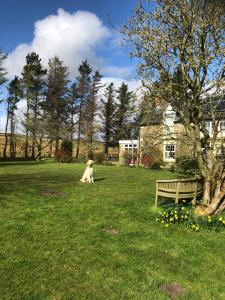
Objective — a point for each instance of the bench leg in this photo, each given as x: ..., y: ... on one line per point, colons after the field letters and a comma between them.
x: 177, y: 193
x: 156, y: 195
x: 156, y: 199
x: 194, y: 199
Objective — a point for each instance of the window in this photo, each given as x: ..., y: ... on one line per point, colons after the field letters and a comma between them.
x: 169, y: 123
x: 130, y: 147
x: 222, y: 127
x: 208, y: 127
x: 169, y: 152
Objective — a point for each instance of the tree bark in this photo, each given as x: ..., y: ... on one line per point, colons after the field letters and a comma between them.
x: 207, y: 191
x: 27, y: 132
x: 12, y: 138
x: 6, y: 134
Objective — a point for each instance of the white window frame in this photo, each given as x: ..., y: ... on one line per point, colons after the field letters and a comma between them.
x: 208, y: 127
x: 130, y: 147
x: 168, y: 157
x: 222, y: 130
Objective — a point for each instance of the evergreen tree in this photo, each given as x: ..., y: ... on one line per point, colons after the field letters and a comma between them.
x: 73, y: 109
x: 33, y: 82
x: 56, y: 103
x: 108, y: 109
x: 124, y: 113
x: 90, y: 111
x: 15, y: 94
x: 2, y: 69
x: 83, y: 89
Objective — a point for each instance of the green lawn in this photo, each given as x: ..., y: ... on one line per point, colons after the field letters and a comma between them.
x: 61, y: 239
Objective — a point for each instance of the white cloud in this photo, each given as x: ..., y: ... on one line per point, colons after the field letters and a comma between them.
x: 71, y: 36
x: 2, y: 122
x: 133, y: 84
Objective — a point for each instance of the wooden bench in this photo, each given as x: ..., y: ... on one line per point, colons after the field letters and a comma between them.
x: 179, y: 189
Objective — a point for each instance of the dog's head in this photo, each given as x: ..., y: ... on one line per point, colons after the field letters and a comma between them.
x: 90, y: 163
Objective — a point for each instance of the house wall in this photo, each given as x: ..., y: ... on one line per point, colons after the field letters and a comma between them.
x: 158, y: 136
x: 128, y: 148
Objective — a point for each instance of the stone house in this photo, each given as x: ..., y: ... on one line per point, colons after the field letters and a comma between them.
x: 166, y: 133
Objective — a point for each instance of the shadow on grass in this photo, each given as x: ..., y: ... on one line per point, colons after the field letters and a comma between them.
x: 32, y: 183
x: 99, y: 179
x: 17, y: 163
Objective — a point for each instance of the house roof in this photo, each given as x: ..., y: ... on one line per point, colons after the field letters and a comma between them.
x: 155, y: 118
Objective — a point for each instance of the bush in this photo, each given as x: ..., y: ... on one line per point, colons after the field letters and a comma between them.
x: 65, y: 153
x: 152, y: 158
x: 107, y: 161
x: 127, y: 157
x: 156, y: 165
x: 182, y: 215
x: 67, y: 146
x: 99, y: 158
x: 147, y: 160
x: 172, y: 169
x: 187, y: 164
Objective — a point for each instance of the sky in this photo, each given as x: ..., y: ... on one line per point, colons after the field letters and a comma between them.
x: 74, y: 30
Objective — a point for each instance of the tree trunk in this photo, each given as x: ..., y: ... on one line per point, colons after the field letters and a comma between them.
x: 78, y: 144
x: 33, y: 149
x: 6, y: 134
x: 27, y: 133
x: 57, y: 144
x: 106, y: 148
x: 12, y: 138
x: 207, y: 191
x: 39, y: 151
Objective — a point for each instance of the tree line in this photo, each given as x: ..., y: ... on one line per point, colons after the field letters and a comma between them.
x: 57, y: 108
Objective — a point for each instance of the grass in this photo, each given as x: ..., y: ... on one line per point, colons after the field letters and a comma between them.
x: 61, y: 239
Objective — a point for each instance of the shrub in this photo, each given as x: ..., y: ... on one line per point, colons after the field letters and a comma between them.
x: 99, y: 158
x: 67, y: 146
x: 182, y: 215
x: 65, y: 153
x: 152, y: 158
x: 187, y: 164
x: 156, y: 165
x: 107, y: 161
x: 127, y: 158
x: 147, y: 160
x: 172, y: 169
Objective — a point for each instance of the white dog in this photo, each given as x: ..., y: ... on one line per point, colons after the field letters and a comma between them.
x: 88, y: 173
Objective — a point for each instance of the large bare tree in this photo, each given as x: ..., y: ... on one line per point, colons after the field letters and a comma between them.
x: 181, y: 46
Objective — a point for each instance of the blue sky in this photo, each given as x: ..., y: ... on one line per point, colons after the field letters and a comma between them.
x: 74, y: 30
x: 17, y: 20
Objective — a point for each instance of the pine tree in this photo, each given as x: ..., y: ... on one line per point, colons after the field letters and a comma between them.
x: 90, y: 111
x: 83, y: 89
x: 56, y: 103
x: 108, y: 110
x: 15, y: 94
x: 124, y: 113
x: 33, y: 82
x: 73, y: 107
x: 2, y: 69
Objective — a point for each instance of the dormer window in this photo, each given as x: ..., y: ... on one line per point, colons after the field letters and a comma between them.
x: 222, y: 127
x: 169, y: 119
x: 208, y: 127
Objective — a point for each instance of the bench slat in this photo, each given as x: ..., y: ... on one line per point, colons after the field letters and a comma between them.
x: 178, y: 189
